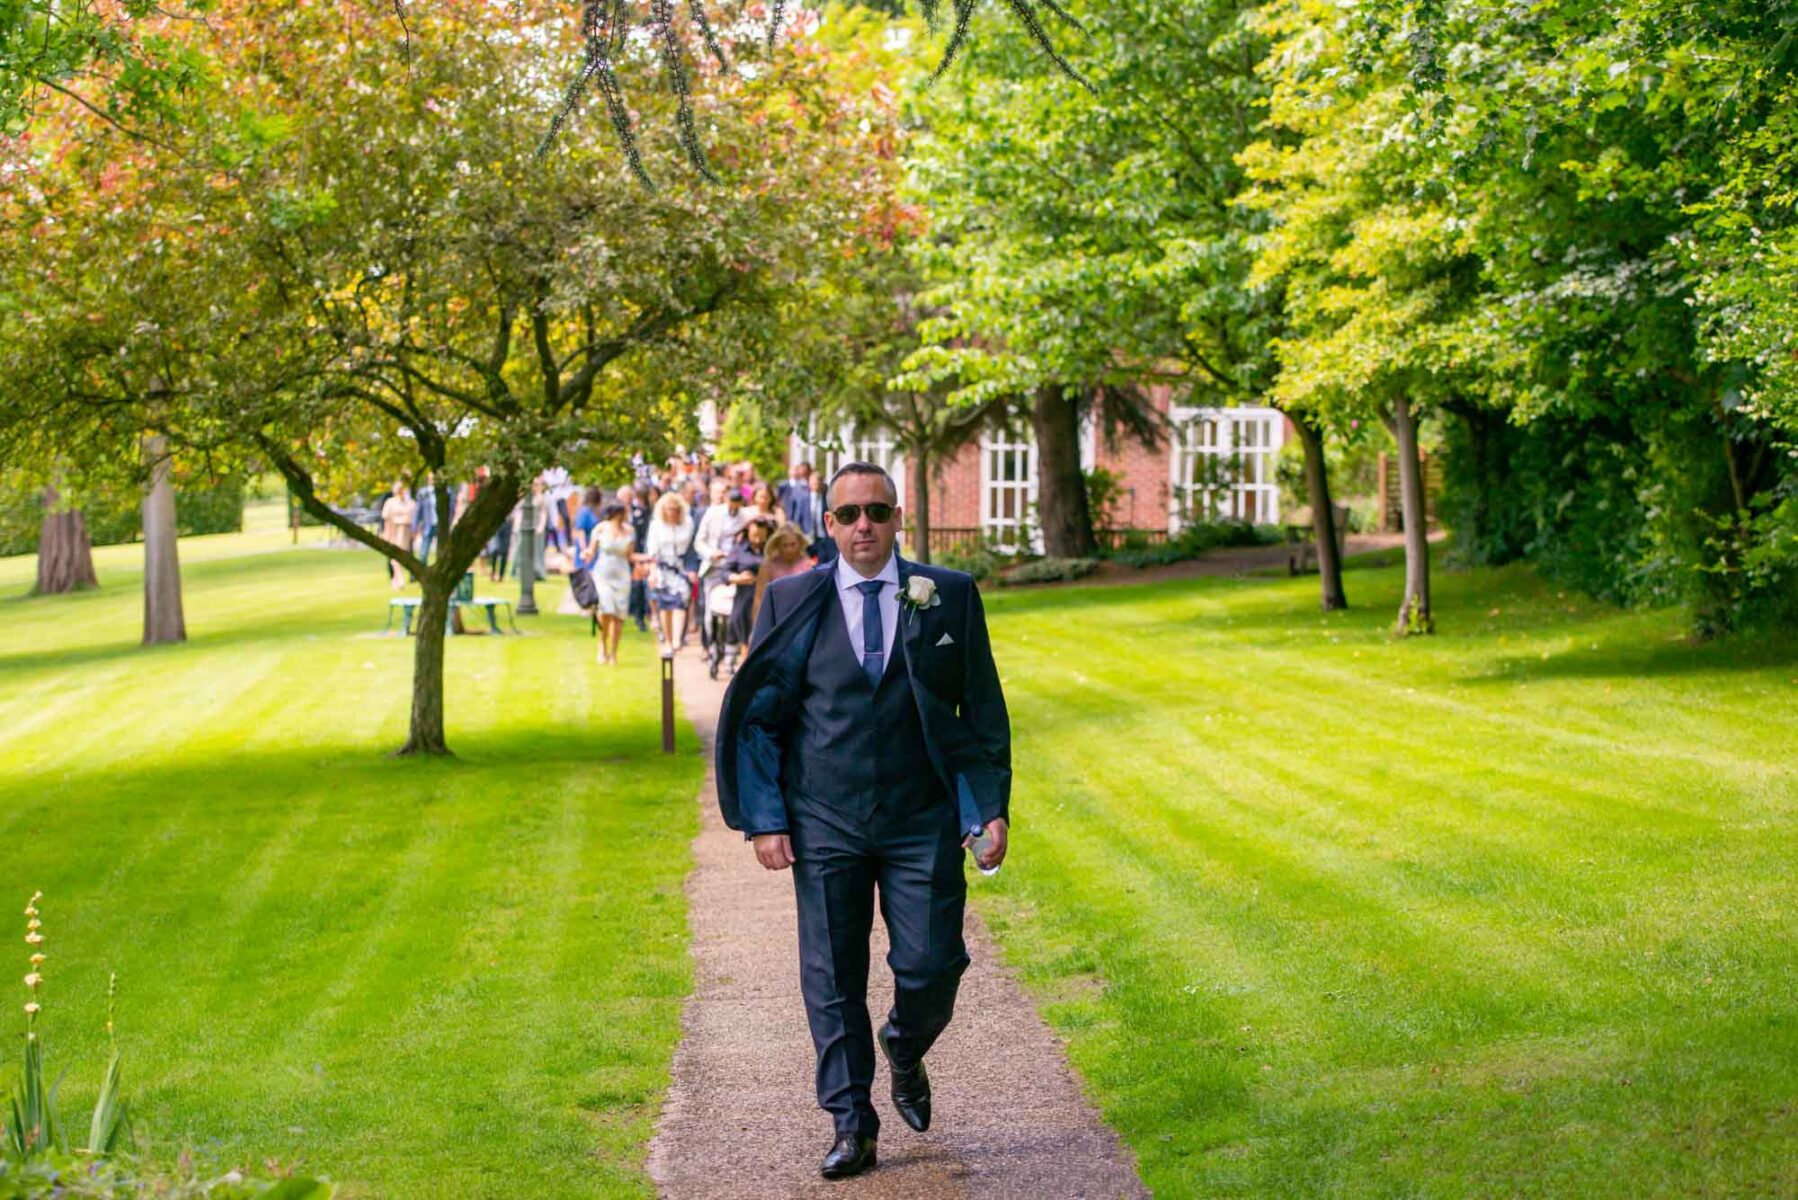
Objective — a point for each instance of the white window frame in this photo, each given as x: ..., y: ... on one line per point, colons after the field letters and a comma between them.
x: 829, y: 451
x: 1251, y: 436
x: 1008, y: 479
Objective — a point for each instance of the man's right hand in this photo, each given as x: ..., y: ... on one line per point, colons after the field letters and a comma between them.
x: 774, y: 851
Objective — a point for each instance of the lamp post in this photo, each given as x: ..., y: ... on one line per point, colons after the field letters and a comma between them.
x: 527, y: 555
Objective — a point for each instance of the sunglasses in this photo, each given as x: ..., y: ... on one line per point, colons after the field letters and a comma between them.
x: 849, y: 514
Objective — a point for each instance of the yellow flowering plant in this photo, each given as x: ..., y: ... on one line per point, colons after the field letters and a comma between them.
x: 34, y: 1128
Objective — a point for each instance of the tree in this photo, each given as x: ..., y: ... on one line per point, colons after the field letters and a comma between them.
x: 862, y: 363
x: 1027, y: 295
x: 1379, y: 278
x: 410, y: 285
x: 1094, y: 242
x: 109, y: 316
x: 1323, y: 510
x: 608, y: 25
x: 888, y: 386
x: 1596, y: 140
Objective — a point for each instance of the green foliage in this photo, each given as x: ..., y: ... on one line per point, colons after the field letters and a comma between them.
x: 78, y: 1177
x: 1085, y: 240
x: 978, y: 562
x: 1049, y: 570
x: 1543, y: 213
x: 33, y: 1129
x: 1103, y: 491
x: 753, y: 433
x: 114, y: 515
x: 119, y: 53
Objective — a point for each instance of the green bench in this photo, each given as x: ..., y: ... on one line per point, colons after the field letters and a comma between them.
x: 407, y: 606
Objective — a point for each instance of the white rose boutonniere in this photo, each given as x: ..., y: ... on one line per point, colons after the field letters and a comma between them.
x: 920, y: 592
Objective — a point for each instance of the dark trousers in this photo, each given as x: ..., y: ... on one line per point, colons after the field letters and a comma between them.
x: 915, y: 860
x: 638, y: 605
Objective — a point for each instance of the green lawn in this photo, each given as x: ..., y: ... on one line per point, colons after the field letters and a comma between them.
x: 1509, y: 911
x: 427, y: 979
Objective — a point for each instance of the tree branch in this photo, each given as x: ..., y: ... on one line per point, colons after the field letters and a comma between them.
x: 307, y: 494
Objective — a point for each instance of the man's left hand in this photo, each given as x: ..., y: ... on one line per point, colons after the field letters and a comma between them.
x: 995, y: 829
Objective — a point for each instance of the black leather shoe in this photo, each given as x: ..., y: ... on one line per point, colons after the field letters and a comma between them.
x: 852, y: 1155
x: 911, y: 1087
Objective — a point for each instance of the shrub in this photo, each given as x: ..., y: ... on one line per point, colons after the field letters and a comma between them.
x: 980, y: 563
x: 1050, y: 570
x: 1103, y: 491
x: 1197, y: 538
x: 1633, y: 515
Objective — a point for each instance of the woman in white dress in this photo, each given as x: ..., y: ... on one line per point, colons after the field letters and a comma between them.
x: 670, y: 587
x: 608, y: 560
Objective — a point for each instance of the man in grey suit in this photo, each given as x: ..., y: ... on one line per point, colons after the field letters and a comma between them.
x: 860, y: 671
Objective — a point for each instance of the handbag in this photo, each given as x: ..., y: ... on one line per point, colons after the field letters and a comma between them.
x: 580, y: 582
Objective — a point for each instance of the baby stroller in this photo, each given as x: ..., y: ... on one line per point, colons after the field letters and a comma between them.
x: 720, y: 600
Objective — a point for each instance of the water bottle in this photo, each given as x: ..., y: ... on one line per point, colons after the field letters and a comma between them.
x: 982, y: 843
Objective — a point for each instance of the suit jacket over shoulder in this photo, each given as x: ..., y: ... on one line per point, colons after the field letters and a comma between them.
x: 948, y: 660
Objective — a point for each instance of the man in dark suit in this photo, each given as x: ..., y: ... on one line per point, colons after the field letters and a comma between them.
x: 859, y: 671
x: 812, y: 505
x: 795, y: 497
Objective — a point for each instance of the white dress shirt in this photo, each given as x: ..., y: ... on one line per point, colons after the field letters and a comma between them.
x: 851, y: 596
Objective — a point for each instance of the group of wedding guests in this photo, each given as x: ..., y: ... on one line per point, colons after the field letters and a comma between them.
x: 702, y: 552
x: 687, y: 546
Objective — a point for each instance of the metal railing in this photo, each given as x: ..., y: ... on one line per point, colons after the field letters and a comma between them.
x: 965, y: 539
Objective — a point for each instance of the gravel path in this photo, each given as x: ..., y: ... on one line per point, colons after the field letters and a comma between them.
x: 741, y: 1120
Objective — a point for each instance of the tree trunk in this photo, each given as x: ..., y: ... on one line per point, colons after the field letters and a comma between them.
x: 163, y: 619
x: 1061, y: 506
x: 918, y: 456
x: 460, y: 545
x: 1414, y: 610
x: 65, y: 557
x: 1323, y: 513
x: 426, y: 732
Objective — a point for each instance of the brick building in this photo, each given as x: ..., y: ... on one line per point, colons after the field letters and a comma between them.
x: 1216, y: 463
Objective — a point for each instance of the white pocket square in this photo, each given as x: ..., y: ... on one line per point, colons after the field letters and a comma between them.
x: 945, y: 640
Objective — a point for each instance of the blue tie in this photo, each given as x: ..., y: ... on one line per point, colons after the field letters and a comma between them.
x: 874, y: 657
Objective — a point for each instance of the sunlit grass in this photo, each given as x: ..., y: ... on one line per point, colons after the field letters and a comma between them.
x: 1510, y: 911
x: 426, y: 979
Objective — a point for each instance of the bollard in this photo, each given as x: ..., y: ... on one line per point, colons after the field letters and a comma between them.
x: 667, y: 706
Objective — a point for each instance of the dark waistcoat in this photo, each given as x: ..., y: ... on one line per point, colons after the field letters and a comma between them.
x: 854, y: 746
